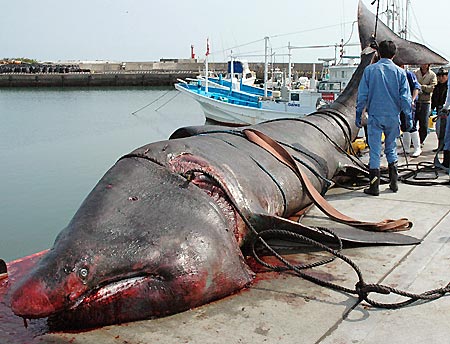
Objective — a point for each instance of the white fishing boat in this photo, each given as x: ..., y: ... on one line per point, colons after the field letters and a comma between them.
x: 232, y: 103
x: 228, y: 106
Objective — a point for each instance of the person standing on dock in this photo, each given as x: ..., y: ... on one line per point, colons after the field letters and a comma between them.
x: 437, y: 101
x: 427, y: 80
x: 445, y: 110
x: 384, y: 90
x: 412, y: 134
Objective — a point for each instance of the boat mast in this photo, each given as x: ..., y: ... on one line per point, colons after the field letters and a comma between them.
x: 405, y: 24
x: 231, y: 71
x: 396, y: 11
x: 206, y: 74
x: 206, y: 65
x: 289, y: 65
x: 266, y: 40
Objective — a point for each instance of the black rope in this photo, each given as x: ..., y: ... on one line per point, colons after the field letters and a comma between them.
x: 280, y: 188
x: 326, y: 182
x: 348, y: 141
x: 361, y: 289
x: 376, y: 18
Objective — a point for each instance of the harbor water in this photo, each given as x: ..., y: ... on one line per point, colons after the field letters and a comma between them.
x: 55, y: 144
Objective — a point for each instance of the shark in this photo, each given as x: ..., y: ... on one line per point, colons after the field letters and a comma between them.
x: 164, y: 230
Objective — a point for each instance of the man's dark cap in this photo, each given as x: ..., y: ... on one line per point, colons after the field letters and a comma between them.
x: 442, y: 71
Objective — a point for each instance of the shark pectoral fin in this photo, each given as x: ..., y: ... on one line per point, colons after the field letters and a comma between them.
x: 280, y: 223
x: 347, y: 234
x: 354, y: 235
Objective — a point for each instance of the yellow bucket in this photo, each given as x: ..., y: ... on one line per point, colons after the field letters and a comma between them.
x: 358, y: 145
x: 431, y: 123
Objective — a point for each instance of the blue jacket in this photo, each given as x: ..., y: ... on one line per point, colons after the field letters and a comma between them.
x: 413, y: 82
x: 384, y: 92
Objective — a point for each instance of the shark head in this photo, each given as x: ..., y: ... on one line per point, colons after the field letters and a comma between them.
x: 145, y: 242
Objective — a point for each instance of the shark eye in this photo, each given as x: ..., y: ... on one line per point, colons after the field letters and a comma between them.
x: 83, y: 273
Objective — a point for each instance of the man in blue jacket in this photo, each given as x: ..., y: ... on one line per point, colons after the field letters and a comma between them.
x: 384, y: 92
x: 445, y: 110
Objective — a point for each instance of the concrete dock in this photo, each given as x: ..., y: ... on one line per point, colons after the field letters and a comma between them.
x: 282, y: 308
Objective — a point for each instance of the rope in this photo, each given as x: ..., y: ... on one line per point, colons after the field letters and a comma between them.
x: 171, y: 98
x: 153, y: 101
x: 376, y: 18
x: 408, y: 175
x: 361, y: 289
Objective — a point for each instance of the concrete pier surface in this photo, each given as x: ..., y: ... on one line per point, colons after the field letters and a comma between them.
x: 282, y: 308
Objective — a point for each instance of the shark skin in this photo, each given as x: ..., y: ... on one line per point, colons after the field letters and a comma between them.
x: 163, y: 230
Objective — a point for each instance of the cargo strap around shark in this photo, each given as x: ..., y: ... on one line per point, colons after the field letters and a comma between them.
x: 362, y: 289
x: 274, y: 148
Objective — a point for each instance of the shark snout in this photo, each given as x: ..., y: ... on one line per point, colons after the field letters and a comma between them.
x: 31, y: 300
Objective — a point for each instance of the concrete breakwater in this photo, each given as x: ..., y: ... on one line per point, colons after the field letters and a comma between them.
x: 148, y: 78
x: 162, y: 73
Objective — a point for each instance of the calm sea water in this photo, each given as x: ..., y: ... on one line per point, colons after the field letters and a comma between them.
x: 55, y: 144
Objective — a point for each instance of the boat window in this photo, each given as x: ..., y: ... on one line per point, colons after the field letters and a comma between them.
x: 295, y: 97
x: 343, y: 74
x: 330, y: 86
x: 333, y: 87
x: 248, y: 75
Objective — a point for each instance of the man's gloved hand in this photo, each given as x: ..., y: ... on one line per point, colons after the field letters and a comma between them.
x: 409, y: 125
x: 444, y: 112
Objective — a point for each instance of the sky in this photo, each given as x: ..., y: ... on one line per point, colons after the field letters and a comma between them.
x: 148, y: 30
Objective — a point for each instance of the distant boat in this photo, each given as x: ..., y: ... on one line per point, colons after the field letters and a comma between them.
x: 228, y: 106
x: 230, y: 102
x: 334, y: 80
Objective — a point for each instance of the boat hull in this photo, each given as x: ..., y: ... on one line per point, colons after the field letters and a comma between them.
x: 233, y: 114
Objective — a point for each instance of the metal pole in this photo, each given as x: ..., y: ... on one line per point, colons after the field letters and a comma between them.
x: 266, y: 39
x: 312, y: 82
x: 231, y: 71
x: 289, y: 66
x: 408, y: 3
x: 206, y: 72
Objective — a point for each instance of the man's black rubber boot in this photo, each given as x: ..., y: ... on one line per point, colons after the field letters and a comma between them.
x: 374, y: 186
x: 446, y: 161
x: 393, y: 176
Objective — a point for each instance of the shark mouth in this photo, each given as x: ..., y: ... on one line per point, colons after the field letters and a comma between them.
x: 108, y: 292
x: 116, y: 302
